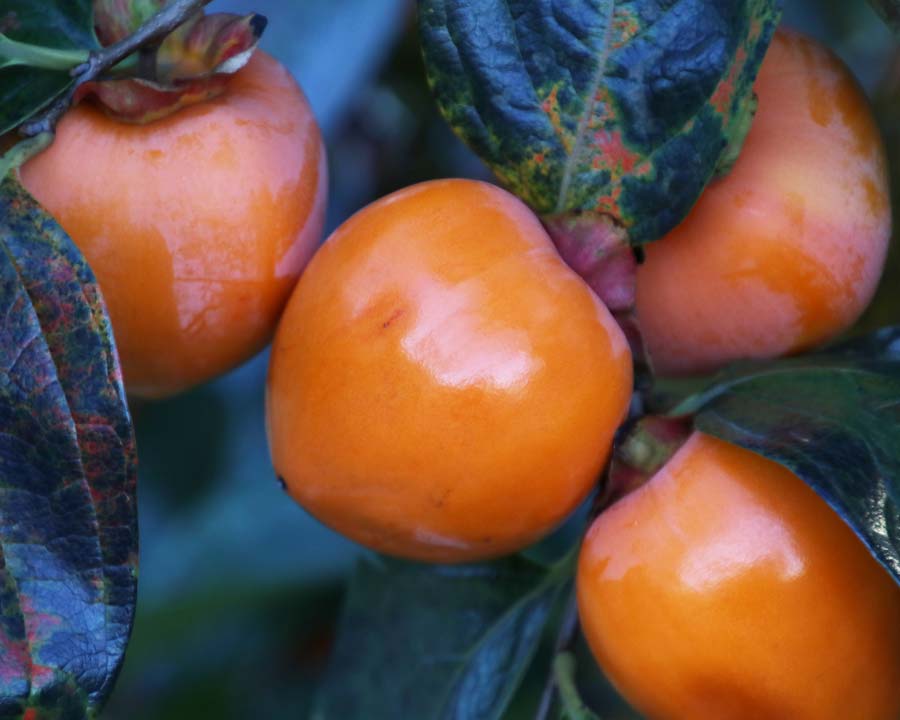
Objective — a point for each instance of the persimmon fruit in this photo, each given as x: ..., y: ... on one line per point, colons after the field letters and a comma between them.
x: 196, y: 226
x: 726, y: 588
x: 785, y: 251
x: 442, y: 386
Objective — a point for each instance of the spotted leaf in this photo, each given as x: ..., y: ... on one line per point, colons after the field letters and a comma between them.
x: 623, y: 108
x: 68, y: 535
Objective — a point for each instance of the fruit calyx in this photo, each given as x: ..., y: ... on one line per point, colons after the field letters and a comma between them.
x: 596, y: 247
x: 190, y: 65
x: 649, y: 444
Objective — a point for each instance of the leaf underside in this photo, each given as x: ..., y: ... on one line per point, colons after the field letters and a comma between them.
x: 435, y: 642
x: 834, y: 419
x: 618, y: 107
x: 58, y: 24
x: 68, y: 532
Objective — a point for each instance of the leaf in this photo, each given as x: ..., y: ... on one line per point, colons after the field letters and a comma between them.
x: 68, y: 534
x: 834, y: 419
x: 618, y: 107
x: 57, y: 24
x: 889, y: 10
x: 435, y: 642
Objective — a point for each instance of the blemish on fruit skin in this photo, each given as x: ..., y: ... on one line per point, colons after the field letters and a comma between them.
x: 875, y: 199
x: 398, y: 313
x: 740, y: 199
x: 820, y: 107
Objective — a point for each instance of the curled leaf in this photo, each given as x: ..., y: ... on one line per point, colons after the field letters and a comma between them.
x: 187, y: 67
x: 206, y: 45
x: 117, y: 19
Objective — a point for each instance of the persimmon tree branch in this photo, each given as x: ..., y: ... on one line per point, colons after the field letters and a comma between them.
x: 99, y: 61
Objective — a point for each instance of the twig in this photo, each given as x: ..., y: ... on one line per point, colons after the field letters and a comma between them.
x: 564, y: 639
x: 99, y: 61
x: 573, y: 705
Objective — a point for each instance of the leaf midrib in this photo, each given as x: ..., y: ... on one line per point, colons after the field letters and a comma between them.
x: 584, y: 119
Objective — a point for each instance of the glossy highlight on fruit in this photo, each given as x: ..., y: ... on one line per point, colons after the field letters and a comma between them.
x: 726, y: 588
x: 784, y: 252
x: 197, y: 225
x: 442, y: 386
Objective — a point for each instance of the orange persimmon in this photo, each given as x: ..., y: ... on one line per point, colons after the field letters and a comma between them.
x: 442, y: 386
x: 197, y: 225
x: 784, y: 252
x: 726, y: 588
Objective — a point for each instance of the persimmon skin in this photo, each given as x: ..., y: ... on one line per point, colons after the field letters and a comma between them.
x: 442, y: 387
x: 726, y: 588
x: 196, y: 226
x: 784, y: 252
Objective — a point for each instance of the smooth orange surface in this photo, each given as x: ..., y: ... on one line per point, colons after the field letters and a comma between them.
x: 725, y: 588
x: 784, y: 252
x: 196, y: 226
x: 442, y: 386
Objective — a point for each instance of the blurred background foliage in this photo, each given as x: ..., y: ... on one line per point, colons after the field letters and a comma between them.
x: 239, y: 588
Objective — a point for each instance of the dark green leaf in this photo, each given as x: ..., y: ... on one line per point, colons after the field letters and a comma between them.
x: 889, y: 10
x: 622, y: 107
x: 436, y: 642
x: 56, y: 24
x: 834, y: 419
x: 68, y: 536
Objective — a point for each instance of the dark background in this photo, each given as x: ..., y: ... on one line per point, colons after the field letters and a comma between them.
x: 239, y: 588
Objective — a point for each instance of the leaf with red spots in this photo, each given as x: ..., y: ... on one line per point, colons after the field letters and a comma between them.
x: 68, y: 533
x: 618, y: 108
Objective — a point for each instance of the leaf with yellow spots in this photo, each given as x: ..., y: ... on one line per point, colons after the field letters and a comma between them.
x: 619, y: 108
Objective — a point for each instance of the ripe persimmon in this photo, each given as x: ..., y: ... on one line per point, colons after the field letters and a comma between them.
x: 784, y: 252
x: 442, y: 386
x: 197, y: 225
x: 726, y: 588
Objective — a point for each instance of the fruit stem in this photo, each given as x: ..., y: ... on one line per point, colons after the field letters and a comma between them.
x: 13, y: 52
x: 572, y: 705
x: 596, y: 247
x: 568, y: 626
x: 99, y: 61
x: 646, y: 447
